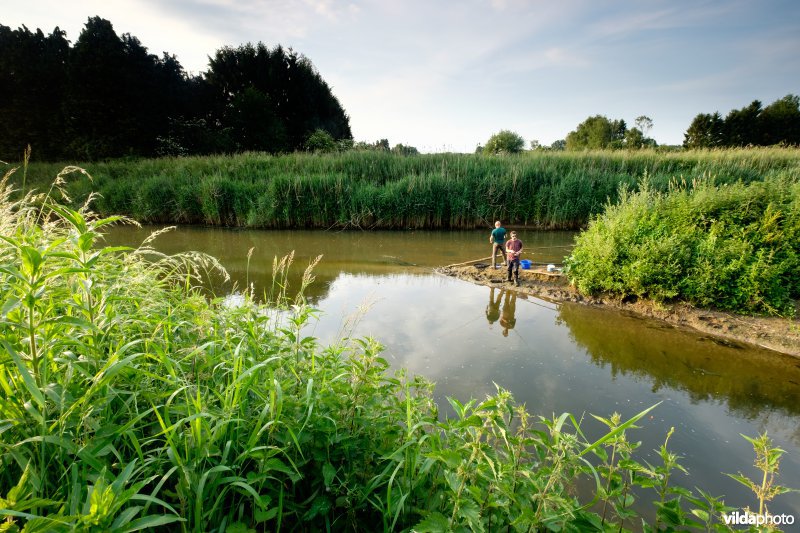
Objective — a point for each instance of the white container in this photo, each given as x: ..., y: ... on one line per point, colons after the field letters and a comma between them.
x: 551, y: 268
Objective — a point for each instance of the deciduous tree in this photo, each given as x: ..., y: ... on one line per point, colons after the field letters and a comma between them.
x: 504, y: 142
x: 594, y: 133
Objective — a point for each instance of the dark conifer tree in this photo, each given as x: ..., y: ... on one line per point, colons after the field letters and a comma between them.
x: 780, y: 122
x: 742, y: 127
x: 292, y: 98
x: 33, y: 70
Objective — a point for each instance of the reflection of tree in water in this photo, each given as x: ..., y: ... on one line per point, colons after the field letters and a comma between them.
x: 749, y: 380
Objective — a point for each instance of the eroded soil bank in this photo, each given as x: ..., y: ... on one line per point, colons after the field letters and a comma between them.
x: 779, y: 334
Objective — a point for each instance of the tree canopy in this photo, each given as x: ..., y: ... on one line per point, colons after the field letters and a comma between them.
x: 106, y: 97
x: 504, y: 142
x: 598, y: 133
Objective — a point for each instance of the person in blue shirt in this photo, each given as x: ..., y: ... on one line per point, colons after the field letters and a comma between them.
x: 498, y: 241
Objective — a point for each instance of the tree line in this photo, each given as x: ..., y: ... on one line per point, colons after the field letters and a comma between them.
x: 777, y: 124
x: 752, y: 125
x: 594, y: 133
x: 107, y: 97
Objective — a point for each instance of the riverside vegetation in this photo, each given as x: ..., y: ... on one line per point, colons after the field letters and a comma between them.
x: 371, y: 189
x: 131, y: 401
x: 732, y: 246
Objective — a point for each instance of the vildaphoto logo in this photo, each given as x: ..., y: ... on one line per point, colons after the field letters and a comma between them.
x: 752, y: 519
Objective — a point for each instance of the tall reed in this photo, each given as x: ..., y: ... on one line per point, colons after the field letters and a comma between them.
x: 363, y: 190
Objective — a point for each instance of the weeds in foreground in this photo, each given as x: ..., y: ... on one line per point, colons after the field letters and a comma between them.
x: 131, y: 402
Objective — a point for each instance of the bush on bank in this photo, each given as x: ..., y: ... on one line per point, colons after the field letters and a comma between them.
x: 131, y: 402
x: 730, y: 246
x: 384, y: 190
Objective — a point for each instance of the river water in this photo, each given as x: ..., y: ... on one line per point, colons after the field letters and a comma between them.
x: 552, y: 357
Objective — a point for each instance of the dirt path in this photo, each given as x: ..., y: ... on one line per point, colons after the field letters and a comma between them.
x: 779, y: 334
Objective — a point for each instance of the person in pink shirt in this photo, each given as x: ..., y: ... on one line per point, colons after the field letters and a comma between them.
x: 513, y: 251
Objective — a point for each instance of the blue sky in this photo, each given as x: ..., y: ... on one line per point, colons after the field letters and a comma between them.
x: 445, y: 76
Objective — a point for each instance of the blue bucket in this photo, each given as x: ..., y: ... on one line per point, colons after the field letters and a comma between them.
x: 525, y: 264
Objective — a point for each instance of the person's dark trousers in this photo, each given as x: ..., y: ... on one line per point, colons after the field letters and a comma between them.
x: 513, y: 266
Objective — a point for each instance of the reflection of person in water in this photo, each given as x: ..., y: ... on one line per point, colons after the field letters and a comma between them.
x: 507, y: 319
x: 493, y: 309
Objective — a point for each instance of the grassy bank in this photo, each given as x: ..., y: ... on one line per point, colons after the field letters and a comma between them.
x: 131, y: 402
x: 382, y: 190
x: 734, y: 247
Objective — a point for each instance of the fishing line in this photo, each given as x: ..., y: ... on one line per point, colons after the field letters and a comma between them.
x: 457, y: 328
x: 540, y: 305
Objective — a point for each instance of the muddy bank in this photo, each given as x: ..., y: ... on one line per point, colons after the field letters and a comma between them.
x: 779, y: 334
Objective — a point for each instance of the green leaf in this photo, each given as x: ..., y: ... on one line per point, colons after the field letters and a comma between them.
x: 586, y: 522
x: 10, y: 304
x: 328, y: 473
x: 320, y: 506
x: 149, y: 522
x: 27, y: 378
x: 449, y: 457
x: 239, y: 527
x: 31, y: 259
x: 433, y: 523
x: 264, y: 516
x: 470, y: 511
x: 621, y: 428
x: 85, y: 241
x: 741, y: 479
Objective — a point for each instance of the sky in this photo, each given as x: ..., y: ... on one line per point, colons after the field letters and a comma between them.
x: 446, y: 75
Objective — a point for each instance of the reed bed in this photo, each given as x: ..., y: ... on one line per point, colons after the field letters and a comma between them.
x: 365, y: 190
x: 132, y: 402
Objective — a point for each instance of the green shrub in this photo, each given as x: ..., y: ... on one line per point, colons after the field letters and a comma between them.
x: 733, y: 246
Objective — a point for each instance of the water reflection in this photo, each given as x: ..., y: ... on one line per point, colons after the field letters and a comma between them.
x: 553, y: 358
x: 747, y: 379
x: 507, y: 318
x: 493, y: 309
x: 373, y: 253
x: 506, y: 312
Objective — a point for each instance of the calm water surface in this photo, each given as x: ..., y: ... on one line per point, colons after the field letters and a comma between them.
x: 552, y: 357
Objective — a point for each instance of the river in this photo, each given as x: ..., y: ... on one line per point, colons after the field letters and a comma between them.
x: 552, y: 357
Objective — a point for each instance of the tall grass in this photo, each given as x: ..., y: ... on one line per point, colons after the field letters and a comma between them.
x: 730, y: 246
x: 131, y: 402
x: 378, y: 190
